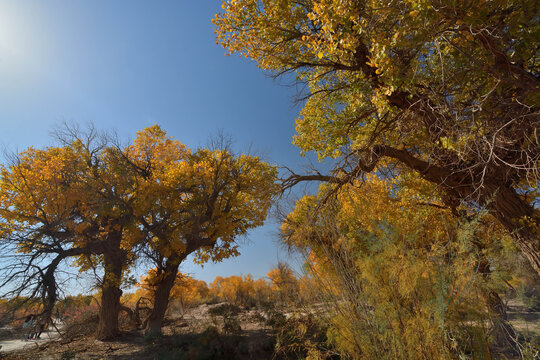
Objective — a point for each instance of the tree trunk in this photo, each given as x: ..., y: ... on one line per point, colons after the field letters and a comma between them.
x: 137, y: 312
x: 521, y: 220
x: 161, y: 296
x: 503, y: 333
x: 50, y: 289
x: 110, y: 290
x: 108, y: 314
x: 134, y: 319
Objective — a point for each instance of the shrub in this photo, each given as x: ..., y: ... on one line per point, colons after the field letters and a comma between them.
x: 81, y: 326
x: 301, y: 337
x: 224, y: 309
x: 530, y: 297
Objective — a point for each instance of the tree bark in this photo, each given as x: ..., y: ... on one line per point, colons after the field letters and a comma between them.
x: 520, y: 219
x: 161, y: 296
x: 50, y: 288
x: 507, y: 206
x: 163, y: 289
x: 110, y: 291
x: 504, y: 335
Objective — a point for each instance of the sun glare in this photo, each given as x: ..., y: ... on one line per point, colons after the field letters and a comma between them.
x: 14, y: 41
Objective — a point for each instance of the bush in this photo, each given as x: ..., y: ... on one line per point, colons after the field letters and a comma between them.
x: 67, y: 355
x: 82, y: 325
x: 224, y: 309
x: 231, y: 325
x: 275, y: 319
x: 530, y: 297
x: 208, y: 345
x: 301, y: 336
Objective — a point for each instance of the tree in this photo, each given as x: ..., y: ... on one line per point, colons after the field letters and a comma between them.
x: 284, y: 283
x: 67, y: 202
x: 194, y: 202
x: 446, y: 90
x: 74, y: 201
x: 96, y: 201
x: 186, y: 290
x: 106, y: 192
x: 240, y: 290
x: 34, y: 209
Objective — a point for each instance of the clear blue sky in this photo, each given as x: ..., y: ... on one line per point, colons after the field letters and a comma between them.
x: 125, y: 65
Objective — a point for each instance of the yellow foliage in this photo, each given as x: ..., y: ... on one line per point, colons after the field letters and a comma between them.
x: 397, y: 268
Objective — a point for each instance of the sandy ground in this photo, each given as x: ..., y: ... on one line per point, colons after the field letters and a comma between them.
x: 183, y: 335
x: 19, y: 343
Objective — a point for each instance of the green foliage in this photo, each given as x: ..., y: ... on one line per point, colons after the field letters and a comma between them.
x: 530, y: 347
x: 412, y: 74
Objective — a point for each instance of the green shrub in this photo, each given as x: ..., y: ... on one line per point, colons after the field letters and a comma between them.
x: 530, y: 297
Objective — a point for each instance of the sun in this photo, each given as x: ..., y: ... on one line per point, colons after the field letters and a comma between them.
x: 15, y: 43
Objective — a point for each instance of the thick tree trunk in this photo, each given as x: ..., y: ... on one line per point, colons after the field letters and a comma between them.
x: 521, y: 220
x: 503, y: 333
x: 110, y: 291
x: 108, y: 314
x: 161, y: 296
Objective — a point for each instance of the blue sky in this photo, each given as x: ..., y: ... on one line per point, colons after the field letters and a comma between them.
x: 125, y: 65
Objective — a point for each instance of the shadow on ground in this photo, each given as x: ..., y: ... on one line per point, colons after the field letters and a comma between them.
x: 210, y: 344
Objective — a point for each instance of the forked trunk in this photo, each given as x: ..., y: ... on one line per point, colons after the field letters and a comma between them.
x: 161, y: 297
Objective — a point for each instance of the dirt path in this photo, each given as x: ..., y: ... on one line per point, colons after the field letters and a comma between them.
x: 20, y: 344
